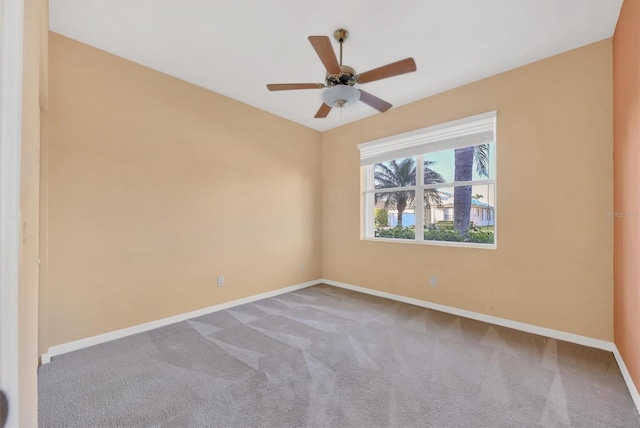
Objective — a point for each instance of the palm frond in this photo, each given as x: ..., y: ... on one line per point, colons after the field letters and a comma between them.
x: 395, y: 173
x: 430, y: 176
x: 432, y: 199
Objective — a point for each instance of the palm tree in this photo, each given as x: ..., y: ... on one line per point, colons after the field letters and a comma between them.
x: 465, y: 158
x: 402, y: 173
x: 431, y: 196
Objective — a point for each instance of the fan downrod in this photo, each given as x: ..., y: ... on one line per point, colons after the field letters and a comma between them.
x: 347, y: 74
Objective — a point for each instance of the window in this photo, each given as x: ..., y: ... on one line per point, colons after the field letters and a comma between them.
x: 438, y: 180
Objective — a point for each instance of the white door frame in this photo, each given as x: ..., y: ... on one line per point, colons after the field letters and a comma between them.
x: 11, y: 39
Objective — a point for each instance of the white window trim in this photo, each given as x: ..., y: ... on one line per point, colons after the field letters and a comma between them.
x: 11, y: 39
x: 436, y: 243
x: 468, y: 131
x: 427, y: 186
x: 473, y: 130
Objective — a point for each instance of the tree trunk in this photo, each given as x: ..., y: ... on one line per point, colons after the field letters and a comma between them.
x: 462, y: 195
x: 402, y: 204
x: 427, y: 217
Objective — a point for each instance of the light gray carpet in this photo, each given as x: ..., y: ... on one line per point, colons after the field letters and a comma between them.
x: 327, y: 357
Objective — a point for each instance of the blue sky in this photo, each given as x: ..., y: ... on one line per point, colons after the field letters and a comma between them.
x: 445, y: 164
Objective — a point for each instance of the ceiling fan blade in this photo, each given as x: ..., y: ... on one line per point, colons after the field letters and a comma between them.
x: 373, y: 101
x: 323, y: 48
x: 323, y: 111
x: 406, y: 65
x: 289, y: 86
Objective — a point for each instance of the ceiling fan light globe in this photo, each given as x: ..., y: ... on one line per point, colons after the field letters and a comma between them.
x: 340, y: 96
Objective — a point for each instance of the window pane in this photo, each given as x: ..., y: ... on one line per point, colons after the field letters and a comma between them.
x: 394, y: 215
x: 463, y: 164
x: 460, y: 214
x: 395, y: 173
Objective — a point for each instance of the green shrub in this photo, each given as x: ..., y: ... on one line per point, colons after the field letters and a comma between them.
x: 442, y: 224
x: 473, y: 235
x: 381, y: 217
x: 443, y: 235
x: 480, y: 237
x: 398, y: 232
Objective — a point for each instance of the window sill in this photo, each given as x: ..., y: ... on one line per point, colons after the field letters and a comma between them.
x: 434, y: 243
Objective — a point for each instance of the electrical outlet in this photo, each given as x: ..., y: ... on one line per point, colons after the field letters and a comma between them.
x: 220, y: 281
x: 301, y: 266
x: 434, y: 281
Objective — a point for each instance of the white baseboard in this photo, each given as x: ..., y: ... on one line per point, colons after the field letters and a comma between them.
x: 117, y: 334
x: 529, y: 328
x: 627, y: 378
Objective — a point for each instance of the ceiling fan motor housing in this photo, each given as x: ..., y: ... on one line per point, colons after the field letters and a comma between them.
x: 347, y: 77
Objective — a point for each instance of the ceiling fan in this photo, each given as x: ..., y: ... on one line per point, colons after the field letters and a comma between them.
x: 340, y: 79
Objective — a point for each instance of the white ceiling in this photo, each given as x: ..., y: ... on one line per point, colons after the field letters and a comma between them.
x: 236, y: 47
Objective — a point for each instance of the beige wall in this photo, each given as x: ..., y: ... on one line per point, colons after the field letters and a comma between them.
x: 154, y: 183
x: 626, y: 150
x: 553, y: 265
x: 157, y: 186
x: 34, y: 102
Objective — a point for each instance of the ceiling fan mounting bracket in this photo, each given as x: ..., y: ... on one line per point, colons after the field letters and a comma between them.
x: 341, y: 35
